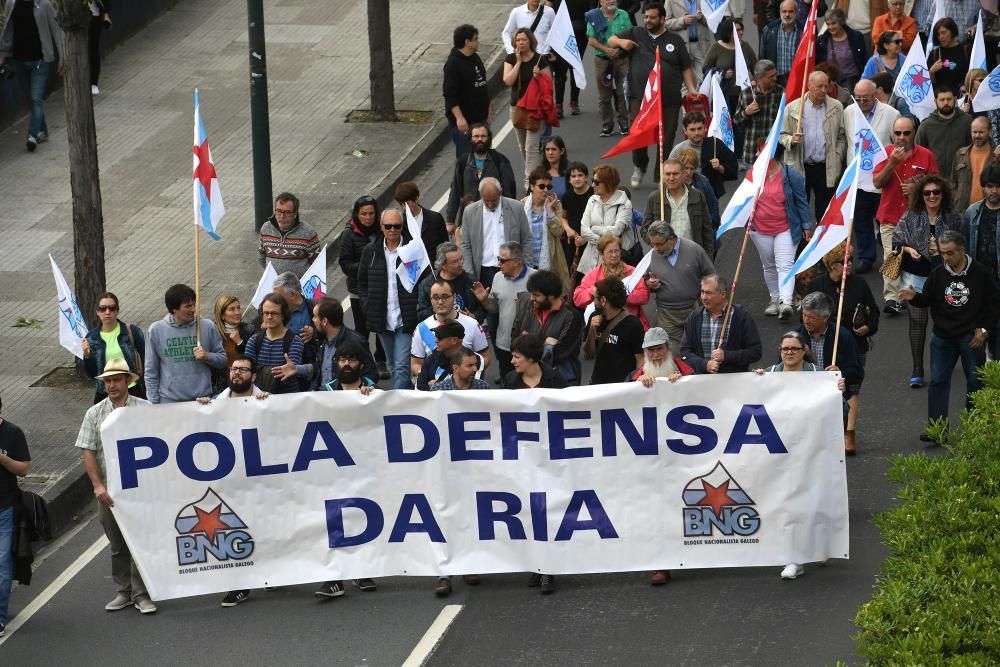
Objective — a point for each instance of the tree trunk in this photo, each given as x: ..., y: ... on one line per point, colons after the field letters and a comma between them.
x: 73, y: 17
x: 380, y: 61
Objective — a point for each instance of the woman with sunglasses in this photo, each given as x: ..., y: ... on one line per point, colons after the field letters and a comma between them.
x: 359, y: 231
x: 887, y: 56
x: 544, y: 213
x: 895, y: 20
x: 609, y: 211
x: 113, y: 339
x: 795, y: 357
x: 930, y: 214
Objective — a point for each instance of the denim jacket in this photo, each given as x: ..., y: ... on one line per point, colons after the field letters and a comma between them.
x: 94, y: 364
x: 796, y: 202
x: 970, y: 230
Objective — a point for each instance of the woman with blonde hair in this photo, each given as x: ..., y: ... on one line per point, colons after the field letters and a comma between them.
x: 609, y: 211
x: 228, y: 317
x: 972, y: 81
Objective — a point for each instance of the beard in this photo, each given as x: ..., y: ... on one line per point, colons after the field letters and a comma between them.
x: 240, y: 386
x: 662, y: 370
x: 348, y: 375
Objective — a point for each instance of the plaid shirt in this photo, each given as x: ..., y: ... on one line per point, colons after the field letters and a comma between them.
x: 448, y: 384
x: 90, y: 430
x: 818, y: 347
x: 759, y: 124
x: 965, y: 13
x: 710, y: 332
x: 788, y: 42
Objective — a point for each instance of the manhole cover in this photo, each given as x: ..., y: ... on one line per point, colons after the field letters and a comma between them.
x: 412, y: 117
x: 63, y: 377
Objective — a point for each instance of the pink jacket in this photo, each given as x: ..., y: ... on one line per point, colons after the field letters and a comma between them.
x: 583, y: 295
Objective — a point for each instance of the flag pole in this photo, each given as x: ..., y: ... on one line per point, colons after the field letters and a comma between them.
x: 197, y: 285
x: 659, y: 147
x: 739, y: 263
x: 843, y: 285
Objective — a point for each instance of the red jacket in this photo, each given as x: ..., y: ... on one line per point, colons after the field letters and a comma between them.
x: 681, y: 366
x: 538, y: 100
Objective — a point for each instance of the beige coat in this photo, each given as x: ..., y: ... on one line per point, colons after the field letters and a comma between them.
x: 836, y: 139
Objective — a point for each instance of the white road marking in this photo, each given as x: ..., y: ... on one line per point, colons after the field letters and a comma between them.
x: 497, y: 140
x: 346, y: 303
x: 422, y: 651
x: 57, y: 585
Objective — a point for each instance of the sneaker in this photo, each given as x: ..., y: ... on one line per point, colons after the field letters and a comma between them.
x: 331, y: 589
x: 234, y: 598
x: 792, y: 571
x: 119, y: 601
x: 535, y: 580
x: 548, y: 583
x: 637, y: 174
x: 917, y: 378
x: 43, y: 137
x: 559, y: 111
x: 659, y: 577
x: 443, y: 588
x: 785, y: 311
x: 574, y: 108
x: 772, y: 308
x: 145, y: 605
x: 365, y: 585
x: 605, y: 131
x: 31, y: 143
x: 94, y: 90
x: 623, y: 128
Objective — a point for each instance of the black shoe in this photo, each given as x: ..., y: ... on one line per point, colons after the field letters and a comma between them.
x: 861, y: 266
x: 624, y: 129
x: 32, y: 143
x: 559, y: 111
x: 234, y: 598
x: 926, y: 437
x: 548, y: 584
x: 574, y: 108
x: 329, y: 590
x: 606, y: 131
x: 383, y: 371
x: 443, y: 588
x: 535, y: 580
x: 365, y: 585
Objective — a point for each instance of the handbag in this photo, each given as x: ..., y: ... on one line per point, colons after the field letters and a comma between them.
x: 522, y: 119
x: 892, y: 264
x: 860, y: 318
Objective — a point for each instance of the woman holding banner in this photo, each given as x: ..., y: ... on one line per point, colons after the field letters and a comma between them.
x: 930, y: 214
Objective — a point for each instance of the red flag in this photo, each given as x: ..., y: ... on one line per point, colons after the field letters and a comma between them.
x: 804, y: 61
x: 645, y: 128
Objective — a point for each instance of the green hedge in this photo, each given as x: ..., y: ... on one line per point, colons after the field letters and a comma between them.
x: 937, y: 598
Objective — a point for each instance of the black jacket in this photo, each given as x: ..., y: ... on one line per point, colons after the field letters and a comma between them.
x: 847, y: 355
x: 857, y: 43
x: 369, y: 370
x: 551, y: 379
x: 727, y: 159
x: 373, y: 288
x: 466, y: 87
x: 856, y: 293
x: 353, y: 240
x: 465, y: 180
x: 741, y: 344
x: 433, y: 232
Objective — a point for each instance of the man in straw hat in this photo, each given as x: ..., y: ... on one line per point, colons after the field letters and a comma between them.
x: 131, y: 589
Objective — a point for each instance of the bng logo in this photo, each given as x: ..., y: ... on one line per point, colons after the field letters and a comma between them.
x: 716, y: 501
x: 209, y: 526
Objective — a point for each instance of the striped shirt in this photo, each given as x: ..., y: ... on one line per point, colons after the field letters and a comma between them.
x: 272, y: 353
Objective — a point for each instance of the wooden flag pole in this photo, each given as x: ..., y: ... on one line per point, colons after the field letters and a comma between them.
x: 197, y: 285
x: 659, y: 155
x: 843, y: 284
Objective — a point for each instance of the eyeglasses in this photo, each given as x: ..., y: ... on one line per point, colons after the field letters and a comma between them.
x: 280, y: 212
x: 388, y: 227
x: 240, y: 370
x: 897, y: 41
x: 501, y: 261
x: 442, y: 297
x: 271, y: 313
x: 902, y: 133
x: 107, y: 309
x: 790, y: 350
x: 544, y: 186
x: 932, y: 193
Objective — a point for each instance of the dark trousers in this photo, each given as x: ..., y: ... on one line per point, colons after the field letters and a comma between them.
x: 561, y: 71
x: 816, y: 184
x: 865, y: 208
x: 503, y: 361
x: 486, y: 275
x: 361, y: 326
x: 94, y: 48
x: 640, y: 157
x: 945, y: 353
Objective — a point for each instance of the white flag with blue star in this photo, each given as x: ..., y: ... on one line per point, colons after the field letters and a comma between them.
x: 72, y: 326
x: 914, y: 82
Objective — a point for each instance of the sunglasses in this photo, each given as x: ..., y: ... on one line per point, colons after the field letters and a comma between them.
x: 897, y: 41
x: 544, y: 186
x: 107, y: 309
x: 932, y: 193
x: 790, y: 350
x: 388, y: 227
x: 902, y: 133
x: 596, y: 182
x: 364, y: 199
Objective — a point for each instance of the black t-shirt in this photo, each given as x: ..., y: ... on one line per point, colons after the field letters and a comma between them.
x: 524, y: 76
x: 615, y: 360
x: 13, y: 444
x: 674, y: 59
x: 574, y: 205
x: 27, y: 44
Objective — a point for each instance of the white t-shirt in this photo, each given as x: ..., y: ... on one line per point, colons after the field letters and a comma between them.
x: 424, y: 342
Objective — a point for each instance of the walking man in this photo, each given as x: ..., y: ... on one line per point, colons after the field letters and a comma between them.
x: 14, y: 462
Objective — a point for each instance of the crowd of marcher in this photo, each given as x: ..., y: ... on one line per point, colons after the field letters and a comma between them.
x: 533, y: 272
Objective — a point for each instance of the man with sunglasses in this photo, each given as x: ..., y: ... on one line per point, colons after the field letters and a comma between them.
x: 501, y: 298
x: 285, y: 241
x: 895, y: 178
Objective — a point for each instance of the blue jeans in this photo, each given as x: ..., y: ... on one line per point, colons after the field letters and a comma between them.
x: 397, y: 353
x: 945, y: 353
x: 6, y: 559
x: 461, y: 139
x: 33, y: 76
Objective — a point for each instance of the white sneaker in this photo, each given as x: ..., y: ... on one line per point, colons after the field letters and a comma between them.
x: 637, y: 175
x: 792, y: 571
x: 785, y: 311
x: 772, y: 308
x: 94, y: 90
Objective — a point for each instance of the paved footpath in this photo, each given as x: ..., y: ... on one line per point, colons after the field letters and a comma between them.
x: 317, y: 54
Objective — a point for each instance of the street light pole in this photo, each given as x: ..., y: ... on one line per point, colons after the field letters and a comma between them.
x: 260, y: 126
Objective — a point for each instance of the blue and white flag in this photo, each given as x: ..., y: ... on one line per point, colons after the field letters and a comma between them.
x: 977, y: 59
x: 742, y: 77
x: 264, y: 286
x: 940, y: 12
x: 988, y: 96
x: 737, y: 212
x: 313, y: 281
x: 868, y: 146
x: 721, y: 126
x: 714, y: 11
x: 413, y: 262
x: 914, y: 82
x: 72, y: 326
x: 208, y: 208
x: 562, y: 40
x: 832, y: 229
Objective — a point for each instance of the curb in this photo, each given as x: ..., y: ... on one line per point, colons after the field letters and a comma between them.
x: 69, y: 495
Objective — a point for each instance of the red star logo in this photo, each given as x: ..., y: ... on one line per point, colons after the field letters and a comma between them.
x: 919, y: 79
x: 209, y: 522
x: 205, y: 170
x: 716, y: 496
x: 835, y: 213
x: 866, y: 146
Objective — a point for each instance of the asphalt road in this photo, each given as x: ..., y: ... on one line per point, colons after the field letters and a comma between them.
x: 735, y: 616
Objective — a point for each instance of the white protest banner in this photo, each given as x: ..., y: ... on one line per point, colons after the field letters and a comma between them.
x: 735, y: 471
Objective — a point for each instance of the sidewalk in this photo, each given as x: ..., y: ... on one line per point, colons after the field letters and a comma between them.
x: 317, y: 54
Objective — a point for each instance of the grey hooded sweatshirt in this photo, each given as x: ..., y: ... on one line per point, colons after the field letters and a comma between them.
x: 172, y: 373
